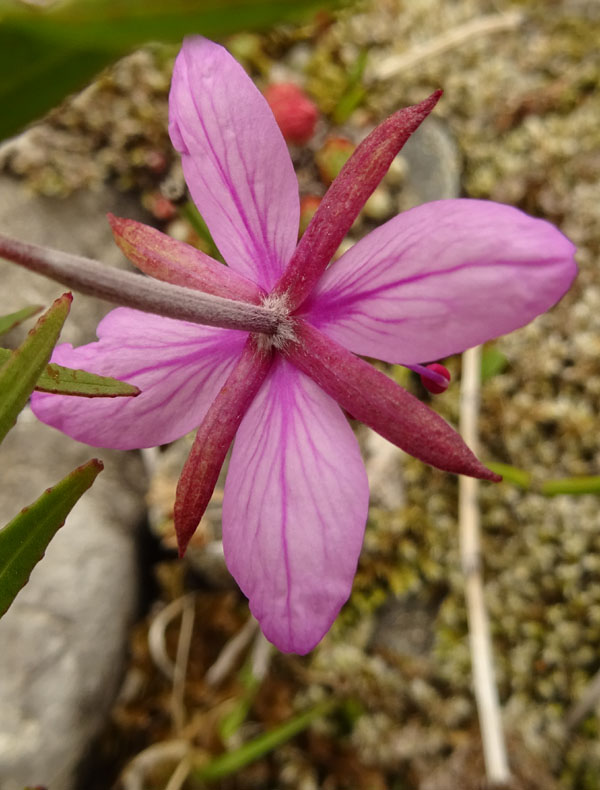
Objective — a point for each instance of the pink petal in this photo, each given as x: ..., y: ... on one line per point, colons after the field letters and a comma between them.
x: 346, y: 197
x: 295, y: 508
x: 235, y: 161
x: 175, y: 262
x: 373, y: 398
x: 215, y: 434
x: 178, y: 366
x: 441, y: 278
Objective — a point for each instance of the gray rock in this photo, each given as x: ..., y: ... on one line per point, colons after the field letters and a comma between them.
x: 75, y: 224
x: 383, y: 462
x: 434, y: 166
x: 62, y: 642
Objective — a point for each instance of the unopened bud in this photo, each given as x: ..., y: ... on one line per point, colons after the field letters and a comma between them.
x: 333, y: 156
x: 436, y: 378
x: 158, y: 205
x: 294, y: 112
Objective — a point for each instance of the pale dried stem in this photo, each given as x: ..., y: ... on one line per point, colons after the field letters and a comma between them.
x: 179, y: 775
x: 156, y: 635
x: 142, y: 293
x: 135, y: 773
x: 230, y: 653
x: 486, y: 694
x: 455, y: 37
x: 262, y: 650
x: 585, y: 705
x: 184, y: 642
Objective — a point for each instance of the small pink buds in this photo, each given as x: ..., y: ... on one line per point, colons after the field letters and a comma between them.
x: 308, y: 208
x: 294, y: 112
x: 333, y: 156
x: 435, y: 378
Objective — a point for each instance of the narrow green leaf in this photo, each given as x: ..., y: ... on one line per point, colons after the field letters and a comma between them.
x: 492, y: 362
x: 8, y: 322
x: 20, y: 372
x: 67, y: 381
x: 355, y: 91
x: 193, y: 216
x: 24, y: 540
x: 572, y: 485
x: 510, y: 474
x: 229, y: 763
x: 233, y: 720
x: 118, y: 25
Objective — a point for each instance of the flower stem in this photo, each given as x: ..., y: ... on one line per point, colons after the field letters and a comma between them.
x: 486, y: 694
x: 142, y: 293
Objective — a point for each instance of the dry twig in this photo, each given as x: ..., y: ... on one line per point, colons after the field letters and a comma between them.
x: 156, y: 635
x: 229, y: 655
x: 486, y: 695
x: 181, y: 662
x: 455, y: 37
x: 135, y: 773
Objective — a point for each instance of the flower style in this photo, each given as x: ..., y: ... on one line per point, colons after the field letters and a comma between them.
x: 429, y: 283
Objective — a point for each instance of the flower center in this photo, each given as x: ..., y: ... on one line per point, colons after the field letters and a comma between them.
x: 278, y: 305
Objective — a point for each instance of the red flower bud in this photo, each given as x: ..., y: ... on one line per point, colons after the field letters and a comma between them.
x: 295, y: 113
x: 434, y: 384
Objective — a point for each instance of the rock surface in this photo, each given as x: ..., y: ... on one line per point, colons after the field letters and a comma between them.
x: 76, y: 224
x: 62, y: 642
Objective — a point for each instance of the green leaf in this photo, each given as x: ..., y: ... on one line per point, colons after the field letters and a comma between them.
x: 199, y: 226
x: 565, y: 485
x: 355, y: 91
x: 45, y: 54
x: 233, y: 761
x: 119, y: 25
x: 572, y: 485
x: 24, y: 540
x: 36, y: 74
x: 492, y: 362
x: 8, y: 322
x: 20, y: 372
x: 510, y: 474
x: 67, y: 381
x: 234, y: 719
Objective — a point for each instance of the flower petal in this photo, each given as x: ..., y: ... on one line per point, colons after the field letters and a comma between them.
x: 295, y: 507
x: 370, y: 396
x: 178, y: 366
x: 346, y: 197
x: 219, y: 426
x: 441, y: 278
x: 235, y: 161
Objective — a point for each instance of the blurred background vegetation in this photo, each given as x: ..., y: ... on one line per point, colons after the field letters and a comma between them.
x: 50, y: 49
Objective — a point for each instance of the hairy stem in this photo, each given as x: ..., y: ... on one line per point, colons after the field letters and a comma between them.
x: 142, y: 293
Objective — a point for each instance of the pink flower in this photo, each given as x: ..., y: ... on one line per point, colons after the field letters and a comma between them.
x: 430, y: 282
